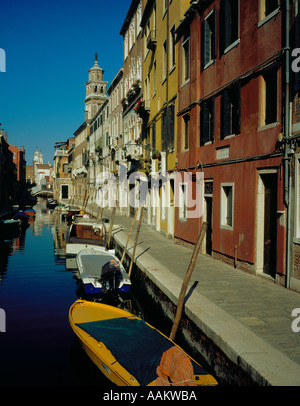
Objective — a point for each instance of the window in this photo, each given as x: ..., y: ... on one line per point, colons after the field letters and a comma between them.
x: 186, y: 132
x: 207, y: 122
x: 231, y: 112
x: 131, y: 34
x: 182, y: 201
x: 167, y: 128
x: 64, y: 191
x: 268, y: 110
x: 154, y: 135
x: 146, y: 34
x: 126, y: 45
x: 227, y: 205
x: 165, y: 7
x: 154, y: 78
x: 229, y: 24
x: 165, y: 64
x: 65, y: 168
x: 267, y: 7
x: 171, y: 126
x: 208, y: 39
x: 172, y: 47
x: 186, y: 60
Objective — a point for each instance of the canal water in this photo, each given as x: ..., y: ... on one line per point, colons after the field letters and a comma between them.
x: 38, y: 284
x: 36, y: 292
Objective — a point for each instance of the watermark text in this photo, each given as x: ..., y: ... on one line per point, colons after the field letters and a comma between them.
x: 296, y: 321
x: 2, y: 60
x: 2, y: 321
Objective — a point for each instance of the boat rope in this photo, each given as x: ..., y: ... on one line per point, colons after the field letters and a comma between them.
x: 175, y: 383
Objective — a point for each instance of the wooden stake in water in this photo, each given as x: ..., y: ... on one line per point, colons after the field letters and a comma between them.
x: 186, y: 282
x: 136, y: 239
x: 130, y: 231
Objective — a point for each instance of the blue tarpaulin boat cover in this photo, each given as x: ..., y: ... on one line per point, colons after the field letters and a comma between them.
x: 134, y: 344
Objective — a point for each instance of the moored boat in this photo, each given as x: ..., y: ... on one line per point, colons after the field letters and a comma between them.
x: 10, y: 228
x: 21, y: 215
x: 51, y: 203
x: 130, y: 352
x: 30, y: 212
x: 101, y: 272
x: 83, y: 234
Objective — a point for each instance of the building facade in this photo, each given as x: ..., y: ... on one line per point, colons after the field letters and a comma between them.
x: 63, y: 187
x: 206, y: 90
x: 293, y: 263
x: 230, y: 124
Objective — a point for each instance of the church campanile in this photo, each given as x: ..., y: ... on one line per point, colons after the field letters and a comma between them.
x: 95, y: 90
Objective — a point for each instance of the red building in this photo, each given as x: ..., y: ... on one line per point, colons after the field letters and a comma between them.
x: 231, y: 105
x: 19, y: 161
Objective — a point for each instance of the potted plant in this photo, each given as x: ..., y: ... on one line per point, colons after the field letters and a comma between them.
x: 155, y: 154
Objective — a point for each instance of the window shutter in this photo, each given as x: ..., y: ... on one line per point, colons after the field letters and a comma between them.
x: 154, y: 135
x: 222, y: 27
x: 225, y: 114
x: 234, y: 10
x: 213, y: 119
x: 163, y: 131
x: 214, y: 35
x: 171, y: 129
x: 204, y: 123
x: 203, y: 44
x: 237, y: 119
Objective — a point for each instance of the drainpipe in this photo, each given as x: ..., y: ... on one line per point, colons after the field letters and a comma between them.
x: 287, y: 149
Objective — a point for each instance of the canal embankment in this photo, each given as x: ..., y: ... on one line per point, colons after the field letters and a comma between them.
x: 239, y: 323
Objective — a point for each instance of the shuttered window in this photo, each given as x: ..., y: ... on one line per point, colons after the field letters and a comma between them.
x: 186, y: 60
x: 229, y: 23
x: 154, y: 135
x: 207, y: 122
x: 167, y: 128
x: 231, y: 111
x: 186, y: 132
x: 208, y: 38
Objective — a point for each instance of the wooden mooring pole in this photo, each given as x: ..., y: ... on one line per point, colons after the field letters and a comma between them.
x: 136, y: 239
x: 186, y: 282
x: 128, y: 238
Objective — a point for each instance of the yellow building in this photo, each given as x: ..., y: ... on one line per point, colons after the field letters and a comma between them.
x: 160, y: 87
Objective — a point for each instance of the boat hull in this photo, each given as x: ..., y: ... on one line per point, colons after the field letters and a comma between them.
x: 72, y: 249
x: 83, y: 312
x: 90, y: 263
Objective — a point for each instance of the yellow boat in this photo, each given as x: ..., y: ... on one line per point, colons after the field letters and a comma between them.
x: 129, y: 351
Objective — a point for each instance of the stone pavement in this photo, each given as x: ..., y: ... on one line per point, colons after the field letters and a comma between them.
x: 248, y: 317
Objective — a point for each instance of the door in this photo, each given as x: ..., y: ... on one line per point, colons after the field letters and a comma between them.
x: 208, y: 202
x: 64, y: 191
x: 270, y: 224
x: 208, y: 206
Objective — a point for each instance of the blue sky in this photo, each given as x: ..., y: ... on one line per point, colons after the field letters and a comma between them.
x: 49, y: 47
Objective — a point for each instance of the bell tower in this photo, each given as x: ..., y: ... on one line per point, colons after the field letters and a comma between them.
x: 95, y: 90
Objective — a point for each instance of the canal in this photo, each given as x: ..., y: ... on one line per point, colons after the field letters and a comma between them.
x: 37, y: 287
x: 36, y: 292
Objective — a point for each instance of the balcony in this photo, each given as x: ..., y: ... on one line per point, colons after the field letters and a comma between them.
x: 151, y: 40
x: 60, y: 152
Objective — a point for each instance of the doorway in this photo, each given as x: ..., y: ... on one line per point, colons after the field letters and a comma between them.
x: 208, y: 204
x: 270, y: 224
x: 266, y: 230
x: 64, y: 191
